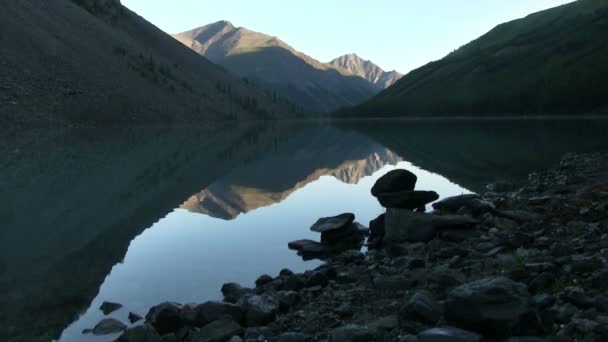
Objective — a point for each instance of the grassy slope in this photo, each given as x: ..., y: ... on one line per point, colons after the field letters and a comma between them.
x: 551, y: 62
x: 309, y: 83
x: 99, y: 62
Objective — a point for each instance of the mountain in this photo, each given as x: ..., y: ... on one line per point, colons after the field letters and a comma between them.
x: 348, y: 156
x: 550, y: 62
x: 366, y: 69
x: 315, y: 86
x: 82, y: 61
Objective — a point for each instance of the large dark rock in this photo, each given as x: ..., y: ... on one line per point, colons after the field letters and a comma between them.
x: 452, y: 204
x: 325, y: 224
x: 259, y: 309
x: 165, y: 317
x: 141, y: 333
x: 422, y: 307
x: 109, y: 307
x: 492, y: 306
x: 109, y: 326
x: 233, y: 292
x: 407, y: 199
x: 453, y: 221
x: 205, y: 313
x: 403, y: 225
x: 393, y: 181
x: 448, y: 334
x: 376, y: 227
x: 217, y: 331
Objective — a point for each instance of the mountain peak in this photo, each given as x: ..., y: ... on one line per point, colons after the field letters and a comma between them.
x: 356, y: 65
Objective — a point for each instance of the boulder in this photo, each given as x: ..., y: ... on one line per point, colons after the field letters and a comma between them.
x: 291, y: 337
x: 422, y: 307
x: 109, y: 326
x: 140, y: 333
x: 205, y: 313
x: 491, y: 306
x: 233, y: 292
x: 218, y: 331
x: 343, y: 238
x: 403, y: 225
x: 165, y: 317
x: 325, y: 224
x: 259, y: 309
x: 263, y: 280
x: 407, y: 199
x: 393, y: 181
x: 448, y: 334
x: 109, y: 307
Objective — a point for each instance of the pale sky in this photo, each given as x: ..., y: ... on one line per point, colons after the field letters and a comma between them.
x: 395, y: 34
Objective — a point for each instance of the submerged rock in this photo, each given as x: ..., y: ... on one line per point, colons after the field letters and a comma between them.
x: 109, y: 326
x: 394, y: 181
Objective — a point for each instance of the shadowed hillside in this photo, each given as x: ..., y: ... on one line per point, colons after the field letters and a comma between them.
x: 94, y: 61
x: 550, y: 62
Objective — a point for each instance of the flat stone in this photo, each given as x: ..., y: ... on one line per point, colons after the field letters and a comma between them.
x: 325, y: 224
x: 109, y: 307
x: 407, y: 199
x: 448, y: 334
x: 109, y: 326
x: 452, y: 204
x: 394, y: 181
x: 308, y: 247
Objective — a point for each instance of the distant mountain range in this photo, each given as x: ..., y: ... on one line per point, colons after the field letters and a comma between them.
x: 94, y: 61
x: 366, y: 69
x: 312, y: 85
x: 550, y: 62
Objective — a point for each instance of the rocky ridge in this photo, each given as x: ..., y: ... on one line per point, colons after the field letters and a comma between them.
x: 515, y: 264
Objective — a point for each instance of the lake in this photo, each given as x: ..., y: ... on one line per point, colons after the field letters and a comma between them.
x: 150, y: 214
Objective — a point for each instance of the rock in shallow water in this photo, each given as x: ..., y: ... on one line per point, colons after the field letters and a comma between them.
x: 325, y: 224
x: 109, y: 307
x: 491, y: 306
x: 109, y: 326
x: 407, y: 199
x: 393, y: 181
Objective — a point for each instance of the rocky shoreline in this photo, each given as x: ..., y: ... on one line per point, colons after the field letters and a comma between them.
x: 517, y: 263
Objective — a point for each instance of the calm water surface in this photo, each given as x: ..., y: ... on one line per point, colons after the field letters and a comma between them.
x: 141, y: 216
